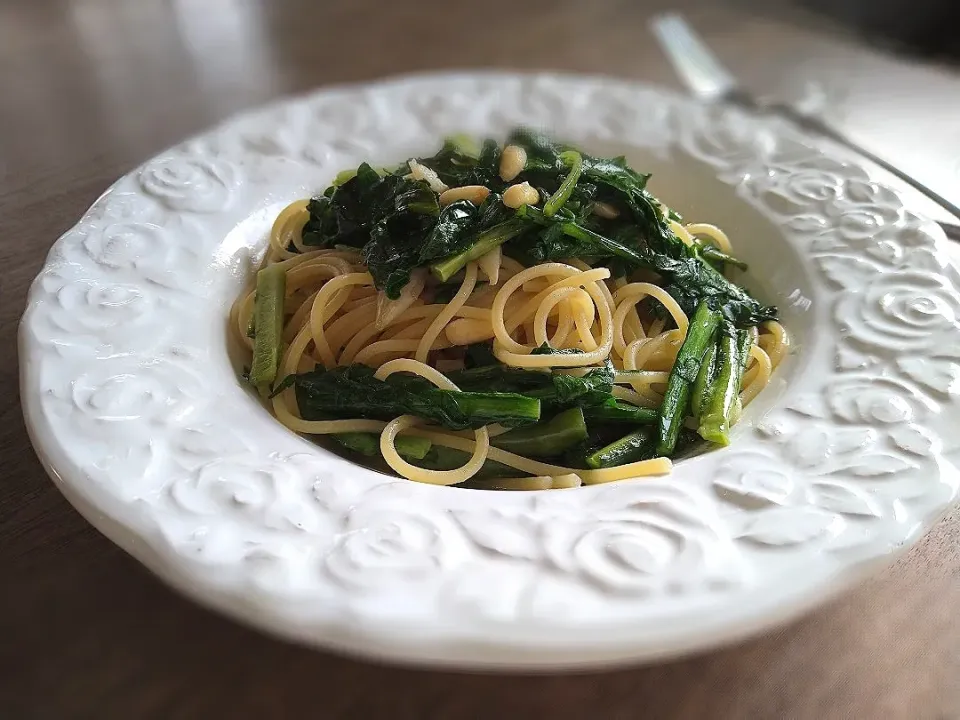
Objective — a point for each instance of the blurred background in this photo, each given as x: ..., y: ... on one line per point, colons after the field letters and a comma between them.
x: 926, y: 27
x: 130, y: 78
x: 91, y: 88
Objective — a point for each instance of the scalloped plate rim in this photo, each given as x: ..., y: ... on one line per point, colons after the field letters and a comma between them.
x: 617, y: 647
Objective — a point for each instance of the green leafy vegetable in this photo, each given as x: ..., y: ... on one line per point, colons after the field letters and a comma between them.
x: 545, y: 349
x: 689, y: 279
x: 444, y: 458
x: 398, y: 225
x: 388, y: 217
x: 620, y: 412
x: 354, y: 392
x: 555, y: 390
x: 344, y: 213
x: 718, y: 257
x: 268, y: 325
x: 720, y: 405
x: 630, y: 448
x: 701, y: 386
x: 487, y: 170
x: 557, y: 200
x: 368, y: 444
x: 611, y: 178
x: 684, y: 373
x: 479, y: 355
x: 484, y: 243
x: 393, y: 250
x: 545, y: 439
x: 456, y: 159
x: 542, y: 152
x: 715, y: 413
x: 448, y: 235
x: 619, y: 180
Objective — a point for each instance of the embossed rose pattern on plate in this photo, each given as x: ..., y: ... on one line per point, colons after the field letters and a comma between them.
x: 132, y: 402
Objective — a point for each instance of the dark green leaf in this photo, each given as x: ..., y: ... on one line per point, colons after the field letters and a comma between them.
x: 676, y: 398
x: 452, y: 233
x: 453, y: 163
x: 555, y: 390
x: 627, y: 449
x: 546, y: 438
x: 444, y: 458
x: 479, y: 355
x: 689, y: 279
x: 542, y: 152
x: 410, y: 447
x: 354, y: 392
x: 545, y: 349
x: 396, y: 223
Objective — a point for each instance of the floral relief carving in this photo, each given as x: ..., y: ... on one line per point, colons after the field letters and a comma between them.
x: 126, y: 251
x: 752, y: 481
x: 88, y: 317
x: 115, y: 395
x: 389, y: 543
x: 272, y: 495
x: 192, y: 183
x: 631, y: 540
x: 937, y: 375
x: 901, y: 312
x: 123, y: 206
x: 795, y: 525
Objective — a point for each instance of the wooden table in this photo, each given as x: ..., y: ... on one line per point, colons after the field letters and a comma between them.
x: 89, y: 88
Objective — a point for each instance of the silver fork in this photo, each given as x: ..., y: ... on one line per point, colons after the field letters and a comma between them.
x: 708, y: 79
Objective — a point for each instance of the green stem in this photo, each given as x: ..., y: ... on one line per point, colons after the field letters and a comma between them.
x: 444, y: 458
x: 464, y: 144
x: 578, y: 232
x: 621, y: 412
x: 496, y: 375
x: 692, y: 272
x: 545, y: 439
x: 368, y: 444
x: 629, y: 448
x: 268, y: 325
x: 484, y: 408
x: 557, y: 200
x: 486, y: 241
x: 683, y: 375
x: 353, y: 392
x: 714, y: 254
x: 345, y: 176
x: 704, y: 381
x: 715, y: 418
x: 744, y: 343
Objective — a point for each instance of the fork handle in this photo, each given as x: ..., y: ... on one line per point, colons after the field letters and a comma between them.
x: 815, y: 125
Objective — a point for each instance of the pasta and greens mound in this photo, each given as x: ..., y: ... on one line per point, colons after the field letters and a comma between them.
x: 523, y: 316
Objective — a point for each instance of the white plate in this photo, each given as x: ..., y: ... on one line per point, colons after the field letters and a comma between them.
x: 134, y: 406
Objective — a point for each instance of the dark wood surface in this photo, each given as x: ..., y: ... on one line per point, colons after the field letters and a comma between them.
x: 90, y: 88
